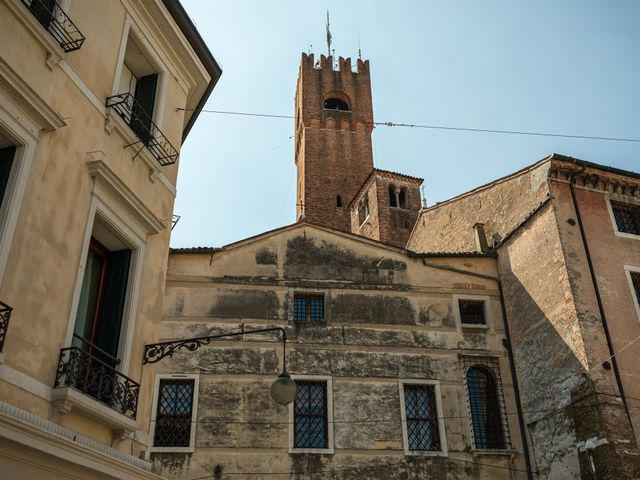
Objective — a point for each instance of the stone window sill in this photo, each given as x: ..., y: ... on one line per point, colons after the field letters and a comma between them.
x: 477, y: 452
x: 473, y: 326
x: 66, y: 399
x: 318, y: 451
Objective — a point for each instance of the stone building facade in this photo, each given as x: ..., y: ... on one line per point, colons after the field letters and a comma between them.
x: 367, y: 324
x: 89, y: 145
x: 567, y: 238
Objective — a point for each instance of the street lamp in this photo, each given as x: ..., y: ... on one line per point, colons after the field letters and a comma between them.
x: 283, y: 389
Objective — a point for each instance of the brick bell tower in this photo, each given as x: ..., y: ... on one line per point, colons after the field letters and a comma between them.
x: 333, y: 155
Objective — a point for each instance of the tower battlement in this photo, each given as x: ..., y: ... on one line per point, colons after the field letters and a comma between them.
x: 328, y: 64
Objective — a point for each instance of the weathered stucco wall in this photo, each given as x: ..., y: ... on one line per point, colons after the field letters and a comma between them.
x: 46, y: 250
x: 388, y: 317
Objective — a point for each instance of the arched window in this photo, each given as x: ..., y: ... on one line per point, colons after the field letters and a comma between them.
x: 484, y: 403
x: 402, y: 198
x: 338, y: 201
x: 393, y: 199
x: 336, y: 104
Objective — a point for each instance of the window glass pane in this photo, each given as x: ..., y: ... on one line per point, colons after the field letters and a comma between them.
x: 310, y: 415
x: 472, y: 312
x: 627, y: 217
x: 308, y: 308
x: 174, y: 412
x: 6, y: 161
x: 485, y: 408
x: 89, y: 294
x: 421, y: 417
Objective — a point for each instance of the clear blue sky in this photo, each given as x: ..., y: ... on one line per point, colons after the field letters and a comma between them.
x: 552, y: 66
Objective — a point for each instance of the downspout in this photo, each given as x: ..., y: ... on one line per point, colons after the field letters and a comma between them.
x: 512, y: 366
x: 594, y: 281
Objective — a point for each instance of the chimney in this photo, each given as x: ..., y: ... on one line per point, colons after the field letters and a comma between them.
x: 481, y: 238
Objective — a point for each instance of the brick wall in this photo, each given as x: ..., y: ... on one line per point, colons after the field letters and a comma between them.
x: 333, y: 148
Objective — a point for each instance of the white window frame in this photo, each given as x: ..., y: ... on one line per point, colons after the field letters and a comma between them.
x: 194, y: 411
x: 25, y: 144
x: 620, y: 199
x: 113, y: 216
x: 488, y: 312
x: 443, y: 452
x: 132, y: 31
x: 330, y: 445
x: 628, y: 270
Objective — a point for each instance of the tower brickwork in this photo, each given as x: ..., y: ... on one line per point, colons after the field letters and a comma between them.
x: 333, y: 154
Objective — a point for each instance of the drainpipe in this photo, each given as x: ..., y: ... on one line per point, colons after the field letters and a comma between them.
x: 512, y: 365
x: 594, y: 281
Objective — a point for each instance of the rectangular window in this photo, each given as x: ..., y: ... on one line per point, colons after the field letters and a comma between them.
x: 627, y: 217
x: 174, y: 413
x: 138, y: 80
x: 308, y: 308
x: 472, y: 312
x: 310, y: 415
x: 421, y: 415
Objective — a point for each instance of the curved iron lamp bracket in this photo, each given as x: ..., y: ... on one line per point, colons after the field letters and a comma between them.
x: 154, y: 352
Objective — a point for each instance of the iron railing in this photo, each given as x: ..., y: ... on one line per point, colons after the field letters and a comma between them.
x: 57, y: 22
x: 88, y: 374
x: 141, y: 123
x: 5, y: 316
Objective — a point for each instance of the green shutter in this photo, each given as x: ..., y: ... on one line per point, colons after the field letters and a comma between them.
x: 43, y: 11
x: 110, y: 322
x: 6, y: 161
x: 145, y: 97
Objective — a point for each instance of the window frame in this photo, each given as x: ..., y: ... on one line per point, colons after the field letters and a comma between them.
x: 26, y: 145
x: 443, y: 452
x: 625, y: 200
x: 363, y: 204
x: 194, y: 411
x: 488, y: 312
x: 328, y: 380
x: 131, y: 30
x: 629, y: 270
x: 112, y: 216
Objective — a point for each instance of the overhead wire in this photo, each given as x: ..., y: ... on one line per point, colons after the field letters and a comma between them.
x: 436, y: 127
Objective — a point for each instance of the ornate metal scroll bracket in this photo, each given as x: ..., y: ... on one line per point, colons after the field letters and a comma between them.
x: 155, y: 352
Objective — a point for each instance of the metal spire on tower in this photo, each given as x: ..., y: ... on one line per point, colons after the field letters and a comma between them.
x: 328, y: 36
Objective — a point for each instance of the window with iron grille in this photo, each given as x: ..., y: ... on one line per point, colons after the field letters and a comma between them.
x: 310, y: 415
x: 472, y: 312
x: 174, y: 413
x: 635, y: 279
x: 627, y: 217
x: 486, y: 403
x: 308, y: 308
x: 421, y: 415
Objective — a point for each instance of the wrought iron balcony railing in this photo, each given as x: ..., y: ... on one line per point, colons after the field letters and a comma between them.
x: 5, y: 316
x: 88, y: 374
x: 141, y: 123
x: 54, y: 19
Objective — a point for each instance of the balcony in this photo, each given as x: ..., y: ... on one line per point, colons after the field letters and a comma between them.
x: 95, y: 378
x: 125, y: 105
x: 56, y: 21
x: 5, y: 316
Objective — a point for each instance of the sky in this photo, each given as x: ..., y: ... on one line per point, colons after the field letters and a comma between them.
x: 565, y: 67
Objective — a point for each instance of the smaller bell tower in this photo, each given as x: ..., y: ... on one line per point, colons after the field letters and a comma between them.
x: 333, y: 125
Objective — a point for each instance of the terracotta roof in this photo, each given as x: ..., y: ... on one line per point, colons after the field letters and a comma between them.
x: 190, y: 250
x: 396, y: 174
x: 490, y: 254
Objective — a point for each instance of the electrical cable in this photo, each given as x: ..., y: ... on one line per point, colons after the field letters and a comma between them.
x: 436, y: 127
